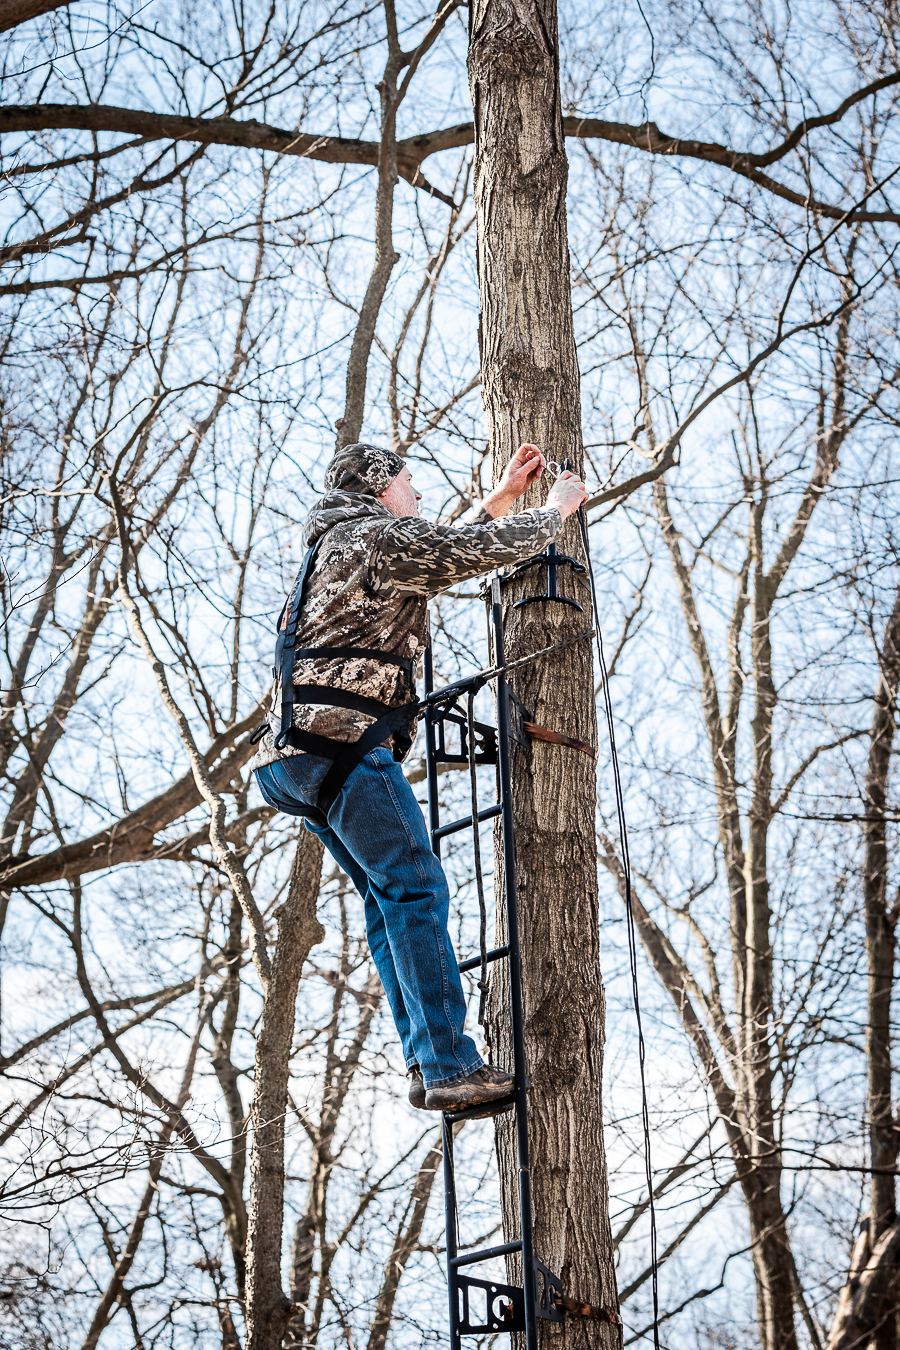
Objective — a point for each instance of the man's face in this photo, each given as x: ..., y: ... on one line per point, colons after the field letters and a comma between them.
x: 401, y: 498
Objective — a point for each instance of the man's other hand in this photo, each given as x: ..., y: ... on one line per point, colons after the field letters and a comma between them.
x: 522, y: 471
x: 567, y: 494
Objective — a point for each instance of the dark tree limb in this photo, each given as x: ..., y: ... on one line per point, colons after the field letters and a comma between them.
x: 130, y: 839
x: 14, y: 12
x: 413, y: 150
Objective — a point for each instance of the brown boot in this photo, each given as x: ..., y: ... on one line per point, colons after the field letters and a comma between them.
x: 416, y: 1087
x: 482, y: 1087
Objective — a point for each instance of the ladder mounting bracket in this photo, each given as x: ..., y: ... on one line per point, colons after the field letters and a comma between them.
x: 485, y: 739
x: 518, y: 716
x: 548, y: 1294
x: 505, y: 1306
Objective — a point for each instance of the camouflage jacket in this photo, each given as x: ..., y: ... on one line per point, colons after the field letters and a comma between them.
x: 369, y: 587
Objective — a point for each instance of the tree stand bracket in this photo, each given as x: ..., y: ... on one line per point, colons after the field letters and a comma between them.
x: 507, y: 1308
x: 552, y: 560
x: 504, y: 1306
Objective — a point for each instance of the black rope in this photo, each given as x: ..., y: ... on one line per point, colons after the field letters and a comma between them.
x: 629, y: 922
x: 481, y: 677
x: 479, y: 877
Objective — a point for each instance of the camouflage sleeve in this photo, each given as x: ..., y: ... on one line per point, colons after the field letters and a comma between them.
x: 476, y: 515
x: 416, y: 558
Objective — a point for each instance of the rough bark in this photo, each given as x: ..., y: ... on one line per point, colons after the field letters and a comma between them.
x: 531, y: 393
x: 268, y: 1307
x: 880, y: 936
x: 867, y: 1309
x: 861, y: 1316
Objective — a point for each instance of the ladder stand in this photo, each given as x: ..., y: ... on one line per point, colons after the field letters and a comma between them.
x: 508, y: 1308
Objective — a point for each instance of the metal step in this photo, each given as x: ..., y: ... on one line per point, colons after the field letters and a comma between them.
x: 466, y: 823
x: 485, y: 1254
x: 495, y: 954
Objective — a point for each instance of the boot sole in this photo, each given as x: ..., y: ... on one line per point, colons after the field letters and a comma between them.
x: 460, y: 1105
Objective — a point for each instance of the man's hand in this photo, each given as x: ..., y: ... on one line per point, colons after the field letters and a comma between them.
x: 524, y: 469
x: 567, y: 494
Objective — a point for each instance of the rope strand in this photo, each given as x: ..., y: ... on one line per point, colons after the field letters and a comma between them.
x: 629, y: 924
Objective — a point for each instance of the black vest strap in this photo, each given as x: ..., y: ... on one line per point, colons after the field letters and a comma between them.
x: 339, y: 698
x: 345, y: 755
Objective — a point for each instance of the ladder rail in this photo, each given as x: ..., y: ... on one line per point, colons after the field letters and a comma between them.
x: 515, y: 973
x: 510, y: 952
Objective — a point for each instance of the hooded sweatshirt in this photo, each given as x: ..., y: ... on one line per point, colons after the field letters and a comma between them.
x: 369, y: 587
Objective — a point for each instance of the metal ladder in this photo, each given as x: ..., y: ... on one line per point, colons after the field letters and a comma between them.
x: 508, y: 1308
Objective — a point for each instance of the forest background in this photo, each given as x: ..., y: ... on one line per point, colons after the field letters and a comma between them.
x: 180, y: 305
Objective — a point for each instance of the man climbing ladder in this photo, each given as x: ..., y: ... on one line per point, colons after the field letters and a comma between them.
x: 343, y: 717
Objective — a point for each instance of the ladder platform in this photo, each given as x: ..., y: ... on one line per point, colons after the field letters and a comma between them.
x: 488, y: 813
x: 495, y: 954
x: 504, y: 1304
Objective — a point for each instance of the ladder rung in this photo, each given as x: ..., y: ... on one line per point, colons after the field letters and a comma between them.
x: 477, y: 1112
x: 470, y: 1258
x: 466, y: 823
x: 495, y: 954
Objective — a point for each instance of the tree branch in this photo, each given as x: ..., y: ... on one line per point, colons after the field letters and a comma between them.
x: 412, y: 151
x: 14, y: 12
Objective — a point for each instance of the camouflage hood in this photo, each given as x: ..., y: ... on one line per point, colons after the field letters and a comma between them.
x: 338, y: 508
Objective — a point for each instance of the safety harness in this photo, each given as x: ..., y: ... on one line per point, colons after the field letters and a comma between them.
x: 394, y: 722
x: 344, y: 755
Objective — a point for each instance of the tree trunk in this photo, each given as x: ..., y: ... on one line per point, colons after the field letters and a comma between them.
x: 531, y: 393
x: 867, y: 1310
x: 268, y: 1307
x: 768, y: 1224
x: 880, y: 941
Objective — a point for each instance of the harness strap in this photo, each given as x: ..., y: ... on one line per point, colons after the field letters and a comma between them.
x: 339, y: 698
x: 345, y: 755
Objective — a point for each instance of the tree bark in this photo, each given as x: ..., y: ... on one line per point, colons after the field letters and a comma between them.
x: 531, y: 393
x: 880, y: 936
x: 867, y: 1310
x: 268, y: 1307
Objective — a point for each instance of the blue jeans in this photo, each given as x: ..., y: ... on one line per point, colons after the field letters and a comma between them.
x: 377, y: 834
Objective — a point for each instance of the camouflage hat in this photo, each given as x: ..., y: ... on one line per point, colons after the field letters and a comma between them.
x: 368, y: 469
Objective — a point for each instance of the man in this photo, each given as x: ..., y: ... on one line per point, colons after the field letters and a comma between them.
x: 352, y: 633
